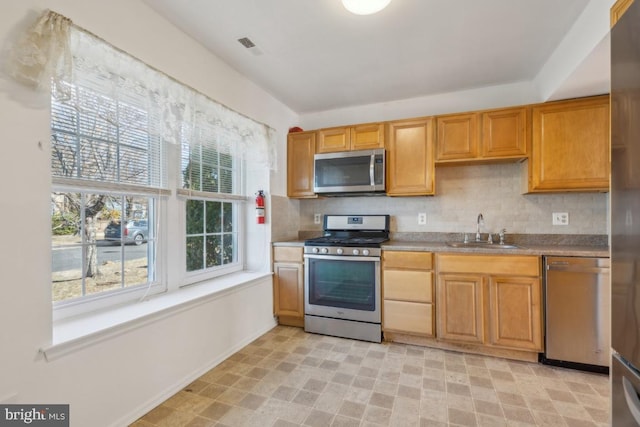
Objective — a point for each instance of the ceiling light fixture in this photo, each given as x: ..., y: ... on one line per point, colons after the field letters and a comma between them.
x: 365, y: 7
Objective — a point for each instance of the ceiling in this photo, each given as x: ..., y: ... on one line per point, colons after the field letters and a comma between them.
x: 314, y: 56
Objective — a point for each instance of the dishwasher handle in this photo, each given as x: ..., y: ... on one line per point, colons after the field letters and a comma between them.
x: 565, y: 266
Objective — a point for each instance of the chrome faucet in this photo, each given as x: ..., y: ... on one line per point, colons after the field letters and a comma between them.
x: 502, y: 232
x: 480, y: 221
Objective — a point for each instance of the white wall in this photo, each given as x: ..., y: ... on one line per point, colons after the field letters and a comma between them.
x: 110, y: 382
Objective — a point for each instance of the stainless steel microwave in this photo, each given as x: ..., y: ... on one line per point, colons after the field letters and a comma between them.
x: 347, y: 172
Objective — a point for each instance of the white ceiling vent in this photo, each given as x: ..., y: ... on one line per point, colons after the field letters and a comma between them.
x: 246, y: 42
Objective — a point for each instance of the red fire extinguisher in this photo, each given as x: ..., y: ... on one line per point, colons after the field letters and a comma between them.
x: 260, y: 207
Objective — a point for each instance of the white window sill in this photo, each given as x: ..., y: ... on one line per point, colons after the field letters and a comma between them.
x: 76, y: 333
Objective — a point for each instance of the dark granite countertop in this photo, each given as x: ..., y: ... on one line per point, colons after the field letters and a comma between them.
x: 528, y: 244
x: 538, y: 249
x: 289, y: 243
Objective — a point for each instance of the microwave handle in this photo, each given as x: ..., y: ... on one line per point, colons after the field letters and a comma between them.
x: 372, y: 163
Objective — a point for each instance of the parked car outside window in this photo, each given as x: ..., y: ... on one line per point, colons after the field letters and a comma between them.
x: 135, y: 231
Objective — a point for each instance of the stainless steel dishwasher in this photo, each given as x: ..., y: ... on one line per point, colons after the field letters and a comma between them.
x: 577, y: 321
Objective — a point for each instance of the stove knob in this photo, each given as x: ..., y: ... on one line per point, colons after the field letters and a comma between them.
x: 315, y: 250
x: 356, y: 252
x: 324, y: 250
x: 365, y: 252
x: 339, y: 251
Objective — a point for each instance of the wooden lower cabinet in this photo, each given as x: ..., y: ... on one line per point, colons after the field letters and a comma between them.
x: 461, y: 314
x: 516, y: 314
x: 408, y: 317
x: 491, y: 300
x: 288, y: 285
x: 407, y: 287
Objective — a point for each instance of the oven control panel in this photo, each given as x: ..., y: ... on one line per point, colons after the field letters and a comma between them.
x: 342, y: 251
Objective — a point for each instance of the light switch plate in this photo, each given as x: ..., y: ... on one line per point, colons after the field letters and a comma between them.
x: 560, y: 218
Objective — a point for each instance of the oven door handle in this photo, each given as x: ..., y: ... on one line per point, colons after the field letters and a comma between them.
x: 343, y: 257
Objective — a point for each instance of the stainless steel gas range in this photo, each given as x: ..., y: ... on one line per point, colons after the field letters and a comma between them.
x: 342, y: 277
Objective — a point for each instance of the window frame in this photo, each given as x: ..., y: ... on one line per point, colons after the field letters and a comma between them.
x: 231, y: 131
x: 238, y: 201
x: 156, y: 152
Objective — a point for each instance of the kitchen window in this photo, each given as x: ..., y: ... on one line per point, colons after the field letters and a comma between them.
x: 149, y: 189
x: 210, y: 181
x: 108, y: 172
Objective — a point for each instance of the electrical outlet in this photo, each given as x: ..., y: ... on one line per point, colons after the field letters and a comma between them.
x: 560, y: 218
x: 422, y: 218
x: 317, y: 218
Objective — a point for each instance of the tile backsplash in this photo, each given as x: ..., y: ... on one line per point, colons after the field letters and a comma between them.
x: 462, y: 192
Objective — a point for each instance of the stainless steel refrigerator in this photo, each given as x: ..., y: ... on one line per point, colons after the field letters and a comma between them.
x: 625, y: 218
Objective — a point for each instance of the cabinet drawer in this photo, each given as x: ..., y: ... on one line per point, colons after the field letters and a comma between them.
x: 408, y: 317
x: 407, y: 285
x: 287, y: 254
x: 515, y: 265
x: 412, y: 260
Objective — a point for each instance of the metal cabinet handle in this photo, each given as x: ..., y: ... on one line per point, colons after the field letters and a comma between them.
x: 372, y: 164
x: 631, y: 396
x: 577, y: 268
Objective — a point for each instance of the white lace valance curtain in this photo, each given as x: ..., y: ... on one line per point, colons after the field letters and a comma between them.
x: 55, y: 51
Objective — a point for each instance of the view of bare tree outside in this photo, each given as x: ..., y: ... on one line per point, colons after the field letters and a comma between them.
x: 86, y: 258
x: 98, y: 139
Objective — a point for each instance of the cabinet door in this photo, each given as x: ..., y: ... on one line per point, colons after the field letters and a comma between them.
x: 333, y: 139
x: 410, y: 166
x: 301, y: 146
x: 367, y: 137
x: 504, y: 133
x: 516, y: 312
x: 570, y: 146
x: 288, y: 289
x: 457, y: 137
x: 460, y: 308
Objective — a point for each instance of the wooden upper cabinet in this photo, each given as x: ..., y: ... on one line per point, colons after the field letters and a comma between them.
x: 334, y: 139
x: 618, y: 9
x: 491, y: 135
x: 504, y: 133
x: 301, y: 146
x: 457, y: 137
x: 570, y: 146
x: 367, y: 136
x: 410, y: 162
x: 359, y: 137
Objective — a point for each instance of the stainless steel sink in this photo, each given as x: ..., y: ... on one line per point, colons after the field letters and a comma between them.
x: 483, y: 245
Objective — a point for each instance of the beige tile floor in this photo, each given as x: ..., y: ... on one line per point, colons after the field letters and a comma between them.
x: 290, y: 378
